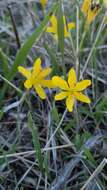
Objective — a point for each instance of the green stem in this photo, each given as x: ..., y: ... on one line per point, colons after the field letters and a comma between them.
x: 14, y: 27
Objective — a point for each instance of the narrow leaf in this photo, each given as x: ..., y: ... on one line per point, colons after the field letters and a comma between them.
x: 61, y: 35
x: 60, y: 29
x: 36, y: 142
x: 4, y: 63
x: 51, y: 52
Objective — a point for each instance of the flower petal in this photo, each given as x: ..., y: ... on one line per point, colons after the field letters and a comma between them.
x: 92, y: 14
x: 44, y: 73
x: 71, y: 78
x: 67, y: 27
x: 53, y: 21
x: 86, y: 6
x: 70, y: 103
x: 28, y: 83
x: 47, y: 83
x: 81, y: 97
x: 43, y: 3
x: 66, y: 33
x: 71, y: 25
x: 61, y: 83
x: 41, y: 93
x: 53, y: 27
x: 50, y: 29
x: 82, y: 85
x: 36, y: 68
x: 61, y: 96
x: 25, y: 72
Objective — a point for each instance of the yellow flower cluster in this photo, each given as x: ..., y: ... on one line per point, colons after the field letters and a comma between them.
x: 37, y: 76
x: 90, y: 8
x: 71, y: 89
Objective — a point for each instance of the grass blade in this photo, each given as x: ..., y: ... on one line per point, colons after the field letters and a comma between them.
x: 36, y: 142
x: 61, y: 35
x: 55, y: 66
x: 4, y: 63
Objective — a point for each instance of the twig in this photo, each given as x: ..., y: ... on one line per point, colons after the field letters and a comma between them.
x: 33, y: 152
x: 95, y: 173
x: 12, y: 85
x: 64, y: 174
x: 59, y: 125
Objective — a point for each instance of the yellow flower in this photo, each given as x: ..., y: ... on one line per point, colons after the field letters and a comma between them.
x: 90, y: 9
x: 43, y: 3
x: 36, y: 78
x: 54, y: 30
x: 71, y: 90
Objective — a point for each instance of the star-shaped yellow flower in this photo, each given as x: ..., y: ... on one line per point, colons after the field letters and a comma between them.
x: 43, y: 3
x: 90, y: 9
x: 54, y: 29
x: 36, y: 78
x: 71, y: 90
